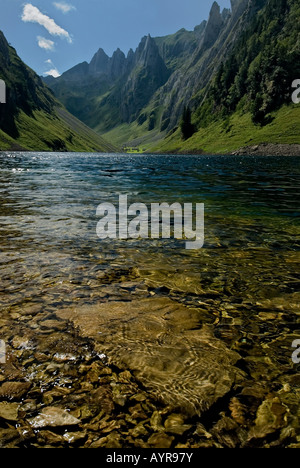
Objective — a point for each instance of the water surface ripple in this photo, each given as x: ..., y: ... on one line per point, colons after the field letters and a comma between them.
x: 239, y: 293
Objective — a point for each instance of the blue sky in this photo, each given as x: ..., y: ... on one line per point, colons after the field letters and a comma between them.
x: 58, y: 34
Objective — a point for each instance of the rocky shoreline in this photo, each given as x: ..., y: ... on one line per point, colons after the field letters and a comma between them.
x: 263, y: 149
x: 269, y: 149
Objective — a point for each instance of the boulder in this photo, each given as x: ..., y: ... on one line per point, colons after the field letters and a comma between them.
x: 9, y: 411
x: 53, y: 417
x: 164, y: 345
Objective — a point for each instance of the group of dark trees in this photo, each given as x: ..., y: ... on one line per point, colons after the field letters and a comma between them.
x: 186, y: 125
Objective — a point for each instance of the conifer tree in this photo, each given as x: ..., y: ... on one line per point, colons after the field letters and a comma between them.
x: 187, y: 128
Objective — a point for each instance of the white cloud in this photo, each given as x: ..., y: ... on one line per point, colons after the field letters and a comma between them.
x: 45, y: 43
x: 32, y: 14
x: 64, y: 7
x: 53, y: 70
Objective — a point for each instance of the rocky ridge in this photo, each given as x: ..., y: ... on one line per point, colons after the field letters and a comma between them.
x: 163, y: 73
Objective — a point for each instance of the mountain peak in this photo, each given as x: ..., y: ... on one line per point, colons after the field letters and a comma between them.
x: 214, y: 25
x: 238, y: 7
x: 118, y: 52
x: 200, y: 28
x: 99, y: 62
x: 117, y: 64
x: 234, y: 5
x: 130, y: 54
x: 147, y: 51
x: 76, y: 73
x: 226, y: 14
x: 4, y: 47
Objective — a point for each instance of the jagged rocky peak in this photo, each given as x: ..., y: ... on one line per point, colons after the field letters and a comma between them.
x: 148, y: 74
x: 114, y: 66
x: 234, y: 5
x: 214, y: 25
x: 117, y: 64
x: 200, y: 28
x: 147, y: 50
x: 238, y: 7
x: 76, y: 73
x: 147, y: 55
x: 130, y: 54
x: 130, y: 60
x: 226, y: 14
x: 99, y: 62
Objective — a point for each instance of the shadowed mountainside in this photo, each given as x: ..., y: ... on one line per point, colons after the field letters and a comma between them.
x: 32, y: 118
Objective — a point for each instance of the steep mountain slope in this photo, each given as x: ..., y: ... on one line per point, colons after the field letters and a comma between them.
x: 249, y: 100
x: 224, y: 65
x: 32, y: 118
x: 109, y: 91
x: 215, y: 43
x: 262, y: 66
x: 152, y: 84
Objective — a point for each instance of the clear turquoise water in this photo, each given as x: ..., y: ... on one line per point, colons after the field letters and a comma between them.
x: 247, y: 271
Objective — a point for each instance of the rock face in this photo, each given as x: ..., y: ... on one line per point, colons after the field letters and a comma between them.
x: 149, y: 74
x: 160, y: 341
x: 213, y: 27
x: 163, y: 73
x: 99, y: 63
x: 214, y: 46
x: 117, y: 65
x: 238, y: 6
x: 126, y: 83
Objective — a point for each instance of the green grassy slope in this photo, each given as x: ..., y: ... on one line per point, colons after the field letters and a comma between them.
x: 58, y: 131
x: 221, y: 136
x: 32, y: 118
x: 236, y: 132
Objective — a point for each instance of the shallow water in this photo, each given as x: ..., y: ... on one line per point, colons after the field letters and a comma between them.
x: 243, y: 284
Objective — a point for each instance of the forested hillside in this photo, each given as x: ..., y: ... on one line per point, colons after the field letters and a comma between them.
x: 261, y: 68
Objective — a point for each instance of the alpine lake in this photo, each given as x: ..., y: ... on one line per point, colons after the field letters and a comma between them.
x: 141, y: 343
